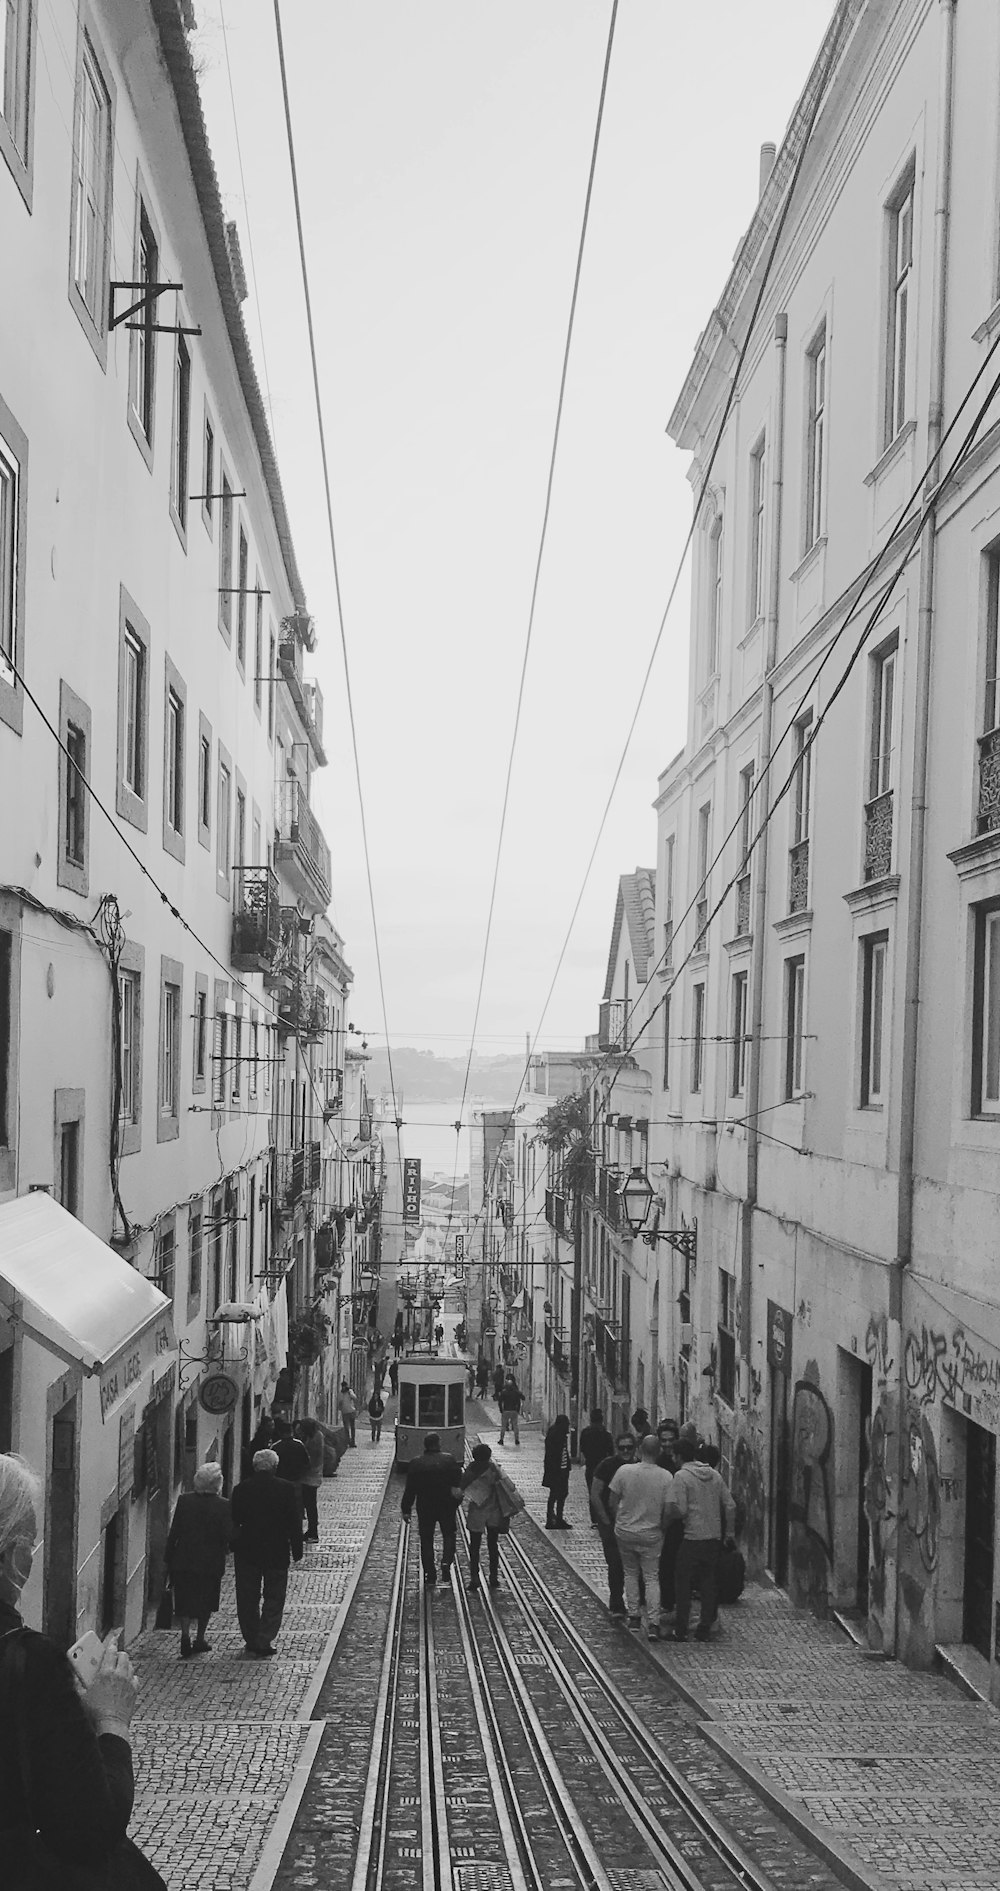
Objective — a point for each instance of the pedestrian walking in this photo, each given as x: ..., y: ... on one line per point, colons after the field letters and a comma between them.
x: 347, y: 1406
x: 482, y: 1378
x: 439, y: 1333
x: 309, y: 1432
x: 376, y: 1410
x: 702, y: 1501
x: 262, y: 1438
x: 640, y: 1423
x: 511, y: 1401
x: 555, y: 1472
x: 380, y: 1373
x: 293, y: 1459
x: 596, y: 1443
x: 673, y: 1535
x: 66, y: 1781
x: 498, y: 1378
x: 471, y: 1387
x: 492, y: 1500
x: 638, y: 1500
x: 267, y: 1521
x: 603, y: 1474
x: 434, y: 1484
x: 195, y: 1555
x: 393, y: 1377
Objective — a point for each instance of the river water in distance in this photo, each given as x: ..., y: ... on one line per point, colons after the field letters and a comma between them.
x: 428, y: 1132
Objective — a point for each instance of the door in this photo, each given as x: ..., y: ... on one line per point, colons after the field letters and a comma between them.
x: 59, y: 1609
x: 980, y: 1525
x: 157, y: 1446
x: 864, y: 1545
x: 777, y: 1515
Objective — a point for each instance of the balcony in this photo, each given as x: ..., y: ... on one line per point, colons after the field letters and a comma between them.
x: 701, y: 925
x: 798, y: 877
x: 298, y: 1173
x: 608, y: 1198
x: 743, y: 906
x: 307, y: 697
x: 878, y: 837
x: 606, y: 1348
x: 988, y: 819
x: 555, y: 1210
x: 612, y: 1032
x: 300, y: 850
x: 256, y: 933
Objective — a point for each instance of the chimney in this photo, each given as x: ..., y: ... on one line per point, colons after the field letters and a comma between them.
x: 768, y: 153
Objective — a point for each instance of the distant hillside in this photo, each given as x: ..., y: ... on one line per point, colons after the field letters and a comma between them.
x: 422, y: 1076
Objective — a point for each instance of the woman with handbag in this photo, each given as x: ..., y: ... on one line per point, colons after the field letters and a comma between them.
x: 492, y: 1501
x: 555, y: 1472
x: 66, y: 1783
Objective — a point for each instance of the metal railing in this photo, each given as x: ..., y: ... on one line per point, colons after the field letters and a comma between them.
x: 988, y: 815
x: 743, y: 906
x: 298, y: 828
x: 256, y: 933
x: 878, y: 836
x: 798, y: 877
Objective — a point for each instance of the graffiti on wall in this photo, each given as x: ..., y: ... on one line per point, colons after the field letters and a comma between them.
x: 905, y: 1533
x: 877, y: 1350
x: 809, y: 1509
x: 750, y: 1497
x: 947, y: 1363
x: 880, y: 1511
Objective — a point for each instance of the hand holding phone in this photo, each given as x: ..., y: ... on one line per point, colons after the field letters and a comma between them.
x: 85, y: 1656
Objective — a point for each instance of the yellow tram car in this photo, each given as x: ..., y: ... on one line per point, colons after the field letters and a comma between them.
x: 431, y: 1398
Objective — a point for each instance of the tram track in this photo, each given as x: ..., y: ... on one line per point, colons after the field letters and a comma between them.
x: 506, y: 1758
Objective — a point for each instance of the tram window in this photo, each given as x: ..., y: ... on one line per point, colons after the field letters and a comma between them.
x: 407, y: 1402
x: 431, y: 1406
x: 456, y: 1414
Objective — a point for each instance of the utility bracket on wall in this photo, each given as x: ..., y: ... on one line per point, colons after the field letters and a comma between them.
x: 145, y: 307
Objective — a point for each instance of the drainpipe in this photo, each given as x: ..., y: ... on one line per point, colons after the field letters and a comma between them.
x: 924, y: 653
x: 760, y: 899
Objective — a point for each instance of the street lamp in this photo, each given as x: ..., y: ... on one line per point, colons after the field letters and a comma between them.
x: 636, y: 1197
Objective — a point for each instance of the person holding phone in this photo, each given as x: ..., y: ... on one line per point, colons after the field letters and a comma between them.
x: 66, y: 1781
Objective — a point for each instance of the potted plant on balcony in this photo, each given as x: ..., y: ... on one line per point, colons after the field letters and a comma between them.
x: 308, y: 1335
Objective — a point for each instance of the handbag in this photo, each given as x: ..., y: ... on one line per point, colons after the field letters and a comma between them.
x: 28, y: 1863
x: 165, y: 1607
x: 508, y: 1497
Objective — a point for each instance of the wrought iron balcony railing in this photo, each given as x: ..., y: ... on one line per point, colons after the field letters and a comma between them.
x: 701, y: 925
x: 743, y: 906
x: 798, y: 877
x: 606, y: 1348
x: 256, y: 933
x: 878, y: 837
x: 612, y: 1031
x: 988, y: 818
x: 668, y: 945
x: 301, y: 849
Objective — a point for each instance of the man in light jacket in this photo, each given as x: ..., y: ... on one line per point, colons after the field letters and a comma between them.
x: 638, y: 1499
x: 702, y: 1500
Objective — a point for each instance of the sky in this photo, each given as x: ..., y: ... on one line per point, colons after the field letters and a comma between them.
x: 443, y: 150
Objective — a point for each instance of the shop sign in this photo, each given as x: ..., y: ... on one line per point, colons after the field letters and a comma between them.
x: 779, y: 1339
x: 218, y: 1393
x: 123, y: 1373
x: 411, y: 1188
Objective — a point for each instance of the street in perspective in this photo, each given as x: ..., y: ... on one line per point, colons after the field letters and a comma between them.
x: 499, y: 1344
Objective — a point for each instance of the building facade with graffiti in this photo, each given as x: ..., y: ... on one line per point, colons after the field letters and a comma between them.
x: 828, y: 867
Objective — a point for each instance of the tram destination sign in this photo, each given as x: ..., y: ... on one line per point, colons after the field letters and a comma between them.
x: 411, y: 1188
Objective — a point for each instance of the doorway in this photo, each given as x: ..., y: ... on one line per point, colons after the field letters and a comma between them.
x: 980, y: 1525
x: 777, y: 1511
x: 113, y: 1547
x: 157, y: 1447
x: 59, y: 1608
x: 852, y: 1545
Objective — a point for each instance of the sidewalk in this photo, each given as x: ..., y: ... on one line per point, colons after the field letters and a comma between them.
x: 862, y: 1753
x: 223, y: 1744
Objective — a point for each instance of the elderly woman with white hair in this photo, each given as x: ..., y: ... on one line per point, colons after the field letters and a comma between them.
x: 66, y: 1782
x: 195, y: 1556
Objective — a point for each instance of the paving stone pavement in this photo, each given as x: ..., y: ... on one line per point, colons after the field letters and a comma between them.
x: 901, y: 1767
x: 218, y: 1740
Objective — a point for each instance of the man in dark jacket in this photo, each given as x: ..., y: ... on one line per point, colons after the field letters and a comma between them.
x: 596, y: 1443
x: 702, y: 1500
x: 293, y: 1457
x: 434, y: 1484
x: 267, y: 1519
x: 603, y: 1474
x: 511, y: 1401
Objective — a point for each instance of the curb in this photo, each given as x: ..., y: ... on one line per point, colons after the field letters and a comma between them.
x: 836, y: 1853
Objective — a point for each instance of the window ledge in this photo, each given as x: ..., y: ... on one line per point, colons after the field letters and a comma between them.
x: 143, y: 441
x: 752, y: 630
x: 988, y: 328
x: 977, y: 856
x: 794, y: 924
x: 810, y: 558
x: 740, y: 947
x: 891, y: 454
x: 698, y: 961
x: 665, y: 971
x: 876, y: 894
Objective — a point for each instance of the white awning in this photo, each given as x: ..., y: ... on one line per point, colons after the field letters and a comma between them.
x: 79, y: 1298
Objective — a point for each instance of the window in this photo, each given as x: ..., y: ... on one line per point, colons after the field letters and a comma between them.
x: 254, y: 1056
x: 133, y: 713
x: 874, y: 952
x: 802, y: 785
x: 199, y: 1060
x: 236, y: 1073
x: 205, y: 786
x: 714, y: 637
x: 165, y: 1259
x: 174, y: 757
x: 757, y: 519
x: 9, y: 542
x: 795, y: 1010
x: 6, y: 1038
x: 241, y: 601
x: 142, y: 328
x: 69, y: 1167
x: 991, y: 695
x: 91, y: 211
x: 220, y: 1037
x: 240, y: 837
x: 697, y: 1037
x: 270, y: 684
x: 727, y: 1336
x: 666, y: 1042
x: 746, y: 837
x: 75, y: 798
x: 740, y: 1046
x: 208, y: 473
x: 73, y: 763
x: 222, y: 824
x: 816, y: 441
x: 16, y: 49
x: 194, y: 1259
x: 128, y: 1060
x: 226, y: 559
x: 701, y: 886
x: 897, y: 365
x: 880, y: 755
x: 258, y: 642
x: 170, y: 1049
x: 986, y: 1014
x: 668, y: 900
x: 180, y: 433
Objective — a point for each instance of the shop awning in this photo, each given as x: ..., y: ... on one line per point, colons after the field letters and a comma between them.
x: 79, y: 1298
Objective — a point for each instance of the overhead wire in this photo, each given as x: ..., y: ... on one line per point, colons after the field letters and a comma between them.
x: 546, y: 511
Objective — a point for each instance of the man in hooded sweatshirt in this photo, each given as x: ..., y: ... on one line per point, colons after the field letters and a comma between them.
x: 702, y: 1501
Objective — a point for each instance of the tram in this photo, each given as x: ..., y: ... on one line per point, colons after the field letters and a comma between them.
x: 431, y: 1398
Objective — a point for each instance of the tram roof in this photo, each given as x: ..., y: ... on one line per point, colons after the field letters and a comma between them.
x: 421, y: 1367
